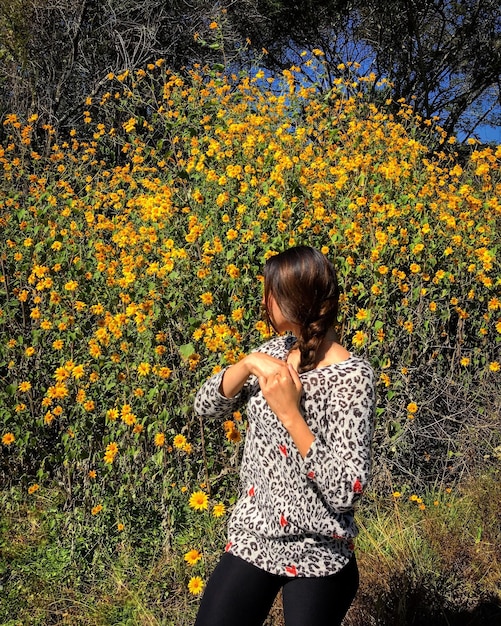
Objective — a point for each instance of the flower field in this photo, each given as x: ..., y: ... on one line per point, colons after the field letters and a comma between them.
x: 131, y: 255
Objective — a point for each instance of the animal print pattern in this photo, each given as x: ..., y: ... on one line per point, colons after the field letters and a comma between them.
x: 294, y: 516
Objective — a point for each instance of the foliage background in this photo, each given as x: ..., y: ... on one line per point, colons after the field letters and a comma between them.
x: 130, y: 260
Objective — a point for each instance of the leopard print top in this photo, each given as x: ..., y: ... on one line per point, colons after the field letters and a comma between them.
x: 294, y: 516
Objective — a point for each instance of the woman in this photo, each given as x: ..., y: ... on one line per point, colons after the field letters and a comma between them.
x: 310, y: 406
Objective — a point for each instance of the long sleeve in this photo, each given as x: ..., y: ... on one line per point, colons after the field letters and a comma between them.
x: 209, y: 401
x: 339, y: 460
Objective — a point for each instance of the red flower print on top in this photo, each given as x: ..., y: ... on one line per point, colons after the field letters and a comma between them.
x: 228, y: 546
x: 311, y: 475
x: 357, y: 486
x: 291, y: 569
x: 283, y: 521
x: 283, y: 449
x: 251, y: 492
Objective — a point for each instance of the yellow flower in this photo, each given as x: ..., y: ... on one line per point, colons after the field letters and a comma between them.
x: 164, y: 372
x: 359, y: 338
x: 97, y: 509
x: 77, y: 372
x: 92, y: 474
x: 179, y: 442
x: 396, y: 494
x: 33, y: 488
x: 362, y: 314
x: 58, y: 344
x: 494, y: 366
x: 206, y: 298
x: 219, y: 510
x: 24, y: 386
x: 195, y: 585
x: 199, y: 501
x: 412, y: 407
x: 237, y: 314
x: 120, y: 527
x: 8, y: 438
x: 30, y: 351
x: 465, y: 361
x: 159, y: 439
x: 233, y: 435
x: 143, y: 369
x: 233, y: 271
x: 71, y: 285
x: 192, y: 557
x: 385, y: 379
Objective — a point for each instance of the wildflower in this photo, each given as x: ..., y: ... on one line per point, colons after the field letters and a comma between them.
x: 187, y: 448
x: 24, y: 386
x: 213, y: 25
x: 206, y: 298
x: 396, y: 494
x: 143, y: 369
x: 412, y: 407
x: 233, y: 271
x: 164, y: 372
x: 30, y: 351
x: 58, y: 344
x: 465, y: 361
x: 199, y: 501
x: 159, y: 439
x: 97, y: 509
x: 237, y: 314
x: 195, y: 585
x: 8, y: 438
x: 77, y: 372
x: 359, y: 338
x: 192, y: 557
x: 362, y: 315
x: 120, y: 527
x: 494, y: 366
x: 385, y: 379
x: 219, y: 510
x: 92, y: 474
x: 233, y: 435
x: 179, y: 442
x: 112, y: 414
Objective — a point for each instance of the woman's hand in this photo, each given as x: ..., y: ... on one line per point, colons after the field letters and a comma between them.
x: 264, y: 365
x: 282, y: 390
x: 255, y: 363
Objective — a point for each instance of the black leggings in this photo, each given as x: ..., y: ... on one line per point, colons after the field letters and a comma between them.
x: 241, y: 594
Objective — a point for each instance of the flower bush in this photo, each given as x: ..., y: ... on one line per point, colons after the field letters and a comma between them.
x: 131, y: 263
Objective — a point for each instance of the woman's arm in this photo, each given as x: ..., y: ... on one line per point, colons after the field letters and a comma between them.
x: 229, y: 389
x: 254, y: 364
x: 339, y: 459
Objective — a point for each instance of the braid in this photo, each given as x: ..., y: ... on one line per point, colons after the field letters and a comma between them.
x: 303, y: 283
x: 312, y: 335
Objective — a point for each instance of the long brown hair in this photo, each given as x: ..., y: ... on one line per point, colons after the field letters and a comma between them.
x: 304, y: 284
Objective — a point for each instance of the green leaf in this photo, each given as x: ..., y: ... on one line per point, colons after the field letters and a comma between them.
x: 186, y: 350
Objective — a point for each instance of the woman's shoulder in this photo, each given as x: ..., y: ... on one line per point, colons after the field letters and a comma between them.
x: 353, y: 367
x: 278, y: 346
